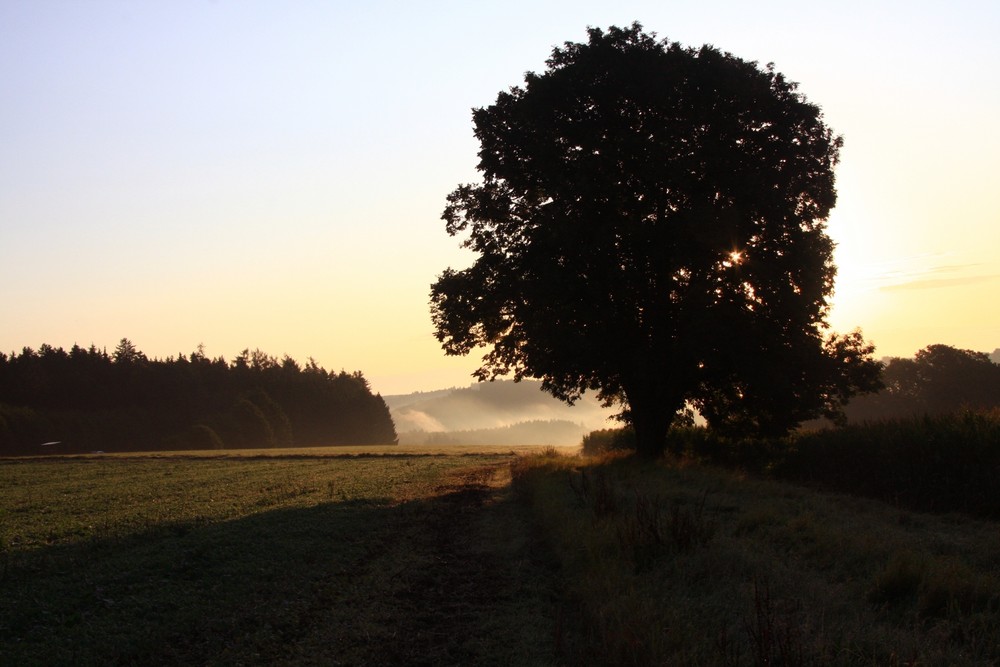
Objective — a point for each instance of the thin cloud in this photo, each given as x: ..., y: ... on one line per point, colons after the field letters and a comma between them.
x: 922, y: 272
x: 935, y: 283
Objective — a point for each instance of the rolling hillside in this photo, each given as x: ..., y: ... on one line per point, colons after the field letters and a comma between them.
x: 495, y: 413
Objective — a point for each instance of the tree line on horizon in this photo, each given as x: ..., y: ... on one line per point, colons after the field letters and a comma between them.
x: 939, y: 379
x: 86, y: 399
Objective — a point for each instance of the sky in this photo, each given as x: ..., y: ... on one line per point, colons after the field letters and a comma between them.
x: 249, y: 174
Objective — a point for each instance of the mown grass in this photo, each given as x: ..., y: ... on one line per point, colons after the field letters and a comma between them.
x: 679, y: 564
x: 253, y: 560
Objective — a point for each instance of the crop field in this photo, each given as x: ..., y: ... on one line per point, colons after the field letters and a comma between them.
x: 479, y: 556
x: 298, y: 559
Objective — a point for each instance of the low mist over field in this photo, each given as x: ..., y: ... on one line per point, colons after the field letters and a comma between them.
x: 501, y: 412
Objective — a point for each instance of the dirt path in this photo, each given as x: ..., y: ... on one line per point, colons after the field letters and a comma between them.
x: 454, y: 580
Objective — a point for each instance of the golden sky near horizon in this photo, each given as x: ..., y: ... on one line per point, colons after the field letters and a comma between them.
x: 272, y: 175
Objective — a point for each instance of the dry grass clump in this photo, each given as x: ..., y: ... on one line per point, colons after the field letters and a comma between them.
x: 938, y: 587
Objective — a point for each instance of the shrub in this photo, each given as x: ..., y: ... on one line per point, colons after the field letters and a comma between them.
x: 608, y: 440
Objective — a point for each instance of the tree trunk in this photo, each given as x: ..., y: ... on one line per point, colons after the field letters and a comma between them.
x: 652, y: 412
x: 650, y: 435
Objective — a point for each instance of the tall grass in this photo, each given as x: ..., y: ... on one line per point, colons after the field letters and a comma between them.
x: 941, y: 463
x: 682, y: 564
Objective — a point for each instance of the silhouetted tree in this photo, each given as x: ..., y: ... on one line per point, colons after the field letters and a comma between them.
x: 776, y: 389
x: 954, y: 378
x: 291, y: 366
x: 651, y: 225
x: 939, y: 379
x: 126, y: 352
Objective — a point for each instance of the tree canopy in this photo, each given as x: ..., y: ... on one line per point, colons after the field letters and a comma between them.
x: 650, y: 224
x: 939, y: 379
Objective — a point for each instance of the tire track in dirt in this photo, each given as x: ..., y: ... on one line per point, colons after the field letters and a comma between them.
x: 457, y: 580
x: 470, y: 590
x: 453, y: 579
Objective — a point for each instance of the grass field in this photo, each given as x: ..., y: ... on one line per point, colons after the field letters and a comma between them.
x: 282, y: 559
x: 475, y: 556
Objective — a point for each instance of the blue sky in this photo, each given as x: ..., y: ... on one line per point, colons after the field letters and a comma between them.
x: 271, y: 175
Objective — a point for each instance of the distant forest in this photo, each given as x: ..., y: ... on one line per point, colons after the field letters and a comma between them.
x: 82, y: 400
x: 938, y: 380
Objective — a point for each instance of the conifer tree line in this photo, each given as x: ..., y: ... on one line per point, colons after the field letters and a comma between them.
x: 86, y: 399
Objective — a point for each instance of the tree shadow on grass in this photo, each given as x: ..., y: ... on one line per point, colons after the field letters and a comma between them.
x: 446, y: 579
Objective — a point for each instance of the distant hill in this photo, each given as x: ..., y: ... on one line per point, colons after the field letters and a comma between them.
x: 501, y: 412
x: 402, y: 400
x: 553, y: 432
